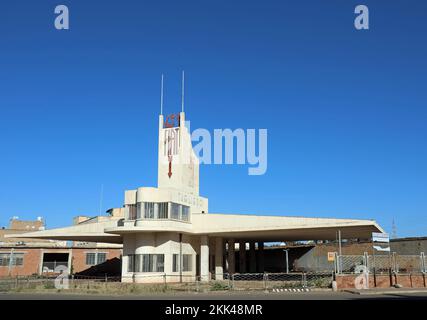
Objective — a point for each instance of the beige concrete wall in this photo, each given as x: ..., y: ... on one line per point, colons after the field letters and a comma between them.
x: 159, y: 243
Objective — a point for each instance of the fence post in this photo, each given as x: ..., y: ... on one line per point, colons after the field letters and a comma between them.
x: 366, y: 261
x: 423, y: 263
x: 336, y: 268
x: 265, y: 279
x: 232, y: 281
x: 395, y: 265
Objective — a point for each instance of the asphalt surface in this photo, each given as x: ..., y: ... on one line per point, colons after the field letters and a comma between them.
x: 221, y: 296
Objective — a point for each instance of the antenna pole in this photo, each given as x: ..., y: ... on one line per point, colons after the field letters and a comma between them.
x: 161, y: 96
x: 182, y: 92
x: 101, y: 199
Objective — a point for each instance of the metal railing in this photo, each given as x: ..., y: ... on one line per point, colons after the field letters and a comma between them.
x: 269, y: 281
x: 172, y: 283
x: 381, y: 264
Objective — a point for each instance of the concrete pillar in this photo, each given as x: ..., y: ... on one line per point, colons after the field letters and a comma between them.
x: 260, y: 257
x: 231, y: 257
x: 41, y: 262
x: 70, y: 260
x: 204, y: 258
x: 242, y: 256
x: 218, y: 259
x: 252, y: 257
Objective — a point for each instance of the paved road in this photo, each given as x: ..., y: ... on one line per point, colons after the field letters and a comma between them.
x: 216, y: 296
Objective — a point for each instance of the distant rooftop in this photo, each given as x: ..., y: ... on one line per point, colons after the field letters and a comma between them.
x: 35, y: 225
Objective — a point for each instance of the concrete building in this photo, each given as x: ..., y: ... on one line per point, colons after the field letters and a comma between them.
x: 169, y: 234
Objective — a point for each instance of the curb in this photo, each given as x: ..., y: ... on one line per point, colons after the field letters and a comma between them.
x: 291, y: 290
x: 367, y: 293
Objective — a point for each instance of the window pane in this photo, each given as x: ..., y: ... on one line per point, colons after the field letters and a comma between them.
x: 102, y: 257
x: 149, y: 210
x: 175, y: 263
x: 18, y: 259
x: 175, y: 211
x: 163, y: 210
x: 185, y: 213
x: 160, y: 266
x: 137, y: 264
x: 152, y: 262
x: 139, y: 208
x: 131, y: 263
x: 132, y: 211
x: 156, y: 210
x: 187, y: 262
x: 4, y: 259
x: 145, y: 263
x: 90, y: 259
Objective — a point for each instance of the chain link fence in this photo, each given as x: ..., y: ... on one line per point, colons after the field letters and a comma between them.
x: 381, y: 264
x: 408, y: 264
x: 350, y: 263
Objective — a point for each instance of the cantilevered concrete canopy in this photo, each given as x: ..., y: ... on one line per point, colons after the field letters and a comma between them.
x: 247, y: 227
x: 280, y: 228
x: 90, y: 232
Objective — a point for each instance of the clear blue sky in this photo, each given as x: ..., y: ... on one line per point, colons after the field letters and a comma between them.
x: 345, y: 109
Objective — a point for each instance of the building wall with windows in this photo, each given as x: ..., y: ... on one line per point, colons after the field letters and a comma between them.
x: 27, y: 264
x: 27, y: 261
x: 85, y: 258
x: 147, y: 257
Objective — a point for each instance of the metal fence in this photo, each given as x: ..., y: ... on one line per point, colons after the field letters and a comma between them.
x: 409, y: 264
x: 381, y: 264
x: 267, y: 281
x: 163, y: 283
x: 349, y: 263
x: 48, y: 282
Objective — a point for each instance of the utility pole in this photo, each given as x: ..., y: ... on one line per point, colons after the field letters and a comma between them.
x: 393, y: 230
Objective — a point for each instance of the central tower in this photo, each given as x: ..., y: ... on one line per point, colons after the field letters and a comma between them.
x: 178, y: 166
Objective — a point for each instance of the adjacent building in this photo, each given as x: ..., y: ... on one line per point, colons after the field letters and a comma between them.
x: 27, y: 256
